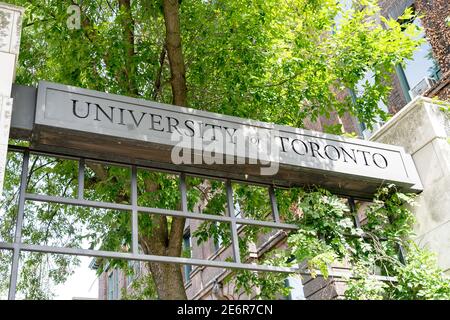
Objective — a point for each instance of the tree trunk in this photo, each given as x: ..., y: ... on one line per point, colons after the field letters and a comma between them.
x: 169, y: 281
x: 128, y: 37
x: 175, y: 52
x: 165, y: 238
x: 168, y: 277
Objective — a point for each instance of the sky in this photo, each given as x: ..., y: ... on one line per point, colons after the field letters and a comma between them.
x: 82, y: 284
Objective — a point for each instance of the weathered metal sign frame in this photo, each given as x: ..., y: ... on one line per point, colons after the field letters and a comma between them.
x: 18, y: 246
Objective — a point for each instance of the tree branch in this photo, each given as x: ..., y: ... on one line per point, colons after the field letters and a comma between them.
x: 175, y: 53
x: 158, y: 239
x: 128, y: 26
x: 157, y: 86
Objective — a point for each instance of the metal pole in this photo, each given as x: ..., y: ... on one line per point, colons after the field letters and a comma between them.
x: 19, y: 224
x: 351, y: 203
x: 164, y: 212
x: 183, y: 190
x: 81, y: 179
x: 273, y: 204
x: 134, y: 212
x: 401, y: 254
x: 17, y: 246
x: 234, y: 233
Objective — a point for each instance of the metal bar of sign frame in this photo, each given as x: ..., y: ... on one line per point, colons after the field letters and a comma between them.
x: 134, y: 209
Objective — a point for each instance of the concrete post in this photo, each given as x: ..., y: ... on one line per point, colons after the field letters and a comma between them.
x: 423, y: 128
x: 10, y: 30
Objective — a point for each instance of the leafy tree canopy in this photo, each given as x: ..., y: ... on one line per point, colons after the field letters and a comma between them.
x: 277, y: 61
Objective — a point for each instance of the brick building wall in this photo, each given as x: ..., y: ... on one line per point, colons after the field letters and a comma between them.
x: 396, y: 99
x: 393, y: 9
x: 435, y: 14
x: 201, y: 281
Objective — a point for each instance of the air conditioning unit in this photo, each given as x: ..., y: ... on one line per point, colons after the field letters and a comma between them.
x: 421, y: 87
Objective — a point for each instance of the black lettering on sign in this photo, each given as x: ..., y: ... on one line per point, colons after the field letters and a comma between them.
x: 380, y: 160
x: 329, y: 153
x: 155, y: 122
x: 136, y: 121
x: 109, y: 116
x: 297, y: 145
x: 315, y: 148
x: 351, y: 156
x: 74, y: 110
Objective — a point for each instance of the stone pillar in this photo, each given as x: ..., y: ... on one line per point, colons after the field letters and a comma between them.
x: 423, y: 128
x: 10, y: 29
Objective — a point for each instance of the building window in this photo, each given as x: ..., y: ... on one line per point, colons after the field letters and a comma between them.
x: 218, y: 242
x: 116, y: 284
x: 422, y: 70
x: 135, y: 268
x: 187, y: 253
x: 113, y: 285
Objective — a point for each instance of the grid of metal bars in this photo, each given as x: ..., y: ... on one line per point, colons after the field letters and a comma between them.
x: 17, y: 246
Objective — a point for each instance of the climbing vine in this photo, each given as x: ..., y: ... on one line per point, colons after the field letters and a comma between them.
x: 327, y: 235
